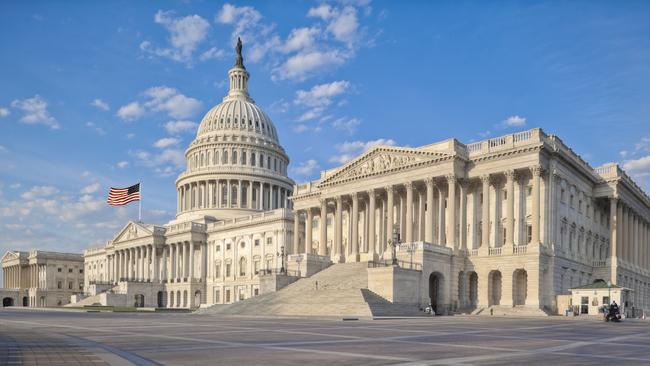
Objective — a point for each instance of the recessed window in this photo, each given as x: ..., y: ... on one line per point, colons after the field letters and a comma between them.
x: 242, y: 244
x: 69, y: 270
x: 59, y: 270
x: 257, y: 242
x: 269, y: 241
x: 81, y: 270
x: 228, y: 246
x: 218, y: 248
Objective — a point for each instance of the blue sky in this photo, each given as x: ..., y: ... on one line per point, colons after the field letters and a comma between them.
x: 94, y: 94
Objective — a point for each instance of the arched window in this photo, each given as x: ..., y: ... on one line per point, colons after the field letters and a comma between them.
x: 215, y: 160
x: 233, y: 197
x: 261, y: 160
x: 243, y: 158
x: 268, y: 162
x: 253, y: 159
x: 242, y: 266
x: 234, y: 157
x: 224, y: 157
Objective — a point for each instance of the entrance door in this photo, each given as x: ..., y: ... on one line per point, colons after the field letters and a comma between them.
x: 25, y: 301
x: 7, y: 301
x: 584, y: 305
x: 139, y: 300
x: 434, y: 291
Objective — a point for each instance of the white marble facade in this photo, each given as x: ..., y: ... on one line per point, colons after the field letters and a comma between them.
x: 510, y: 221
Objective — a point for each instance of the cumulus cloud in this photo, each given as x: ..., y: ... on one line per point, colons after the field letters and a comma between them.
x: 177, y: 127
x: 322, y: 94
x: 346, y: 124
x: 4, y: 112
x: 166, y: 142
x: 638, y: 167
x: 131, y: 111
x: 349, y: 150
x: 39, y: 192
x: 92, y: 188
x: 306, y: 168
x: 35, y: 112
x: 305, y: 64
x: 213, y: 54
x: 161, y: 99
x: 167, y: 162
x: 512, y: 121
x: 185, y: 35
x: 100, y: 104
x: 122, y: 164
x: 100, y: 131
x: 244, y: 19
x: 301, y: 38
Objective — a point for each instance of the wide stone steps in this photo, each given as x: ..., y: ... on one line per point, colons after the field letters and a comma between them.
x: 505, y: 310
x: 339, y: 290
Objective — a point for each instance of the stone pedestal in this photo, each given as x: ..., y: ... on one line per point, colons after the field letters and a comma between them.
x: 395, y: 284
x: 307, y: 264
x: 369, y: 257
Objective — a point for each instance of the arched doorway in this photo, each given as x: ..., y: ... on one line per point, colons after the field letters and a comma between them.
x: 519, y: 287
x: 25, y: 301
x: 178, y: 299
x: 171, y: 299
x: 161, y: 299
x: 494, y: 288
x: 197, y: 298
x: 139, y: 300
x: 7, y: 301
x: 185, y: 298
x: 473, y: 289
x: 435, y: 291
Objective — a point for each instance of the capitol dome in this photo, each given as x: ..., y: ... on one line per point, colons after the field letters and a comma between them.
x: 236, y: 165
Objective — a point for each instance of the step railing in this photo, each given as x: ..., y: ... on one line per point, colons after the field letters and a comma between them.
x: 401, y: 264
x: 278, y: 271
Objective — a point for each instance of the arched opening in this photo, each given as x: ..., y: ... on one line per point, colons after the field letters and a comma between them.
x: 25, y: 301
x: 185, y: 298
x: 197, y: 298
x: 171, y: 299
x: 435, y: 292
x: 473, y: 289
x: 161, y: 299
x: 139, y: 301
x: 519, y: 287
x: 7, y: 301
x: 494, y: 288
x: 178, y: 299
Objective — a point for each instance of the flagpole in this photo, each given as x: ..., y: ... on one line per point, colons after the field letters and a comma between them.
x: 140, y: 205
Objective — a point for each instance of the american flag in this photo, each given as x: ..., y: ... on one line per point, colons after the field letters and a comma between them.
x: 122, y: 196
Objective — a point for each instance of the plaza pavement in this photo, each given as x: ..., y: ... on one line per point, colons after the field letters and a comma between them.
x: 77, y: 338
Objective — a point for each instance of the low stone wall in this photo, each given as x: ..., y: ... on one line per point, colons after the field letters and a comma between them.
x: 395, y: 284
x: 274, y: 282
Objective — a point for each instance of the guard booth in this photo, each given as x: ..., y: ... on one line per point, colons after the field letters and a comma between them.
x: 590, y: 299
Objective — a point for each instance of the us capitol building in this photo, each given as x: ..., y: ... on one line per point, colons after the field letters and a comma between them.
x: 511, y: 223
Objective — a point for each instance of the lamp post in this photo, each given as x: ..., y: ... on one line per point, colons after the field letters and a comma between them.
x: 609, y: 292
x: 298, y: 260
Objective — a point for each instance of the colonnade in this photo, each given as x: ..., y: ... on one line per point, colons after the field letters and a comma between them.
x: 630, y: 233
x: 232, y: 193
x: 420, y: 210
x: 141, y: 263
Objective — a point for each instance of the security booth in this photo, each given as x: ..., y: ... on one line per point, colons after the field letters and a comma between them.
x: 590, y: 299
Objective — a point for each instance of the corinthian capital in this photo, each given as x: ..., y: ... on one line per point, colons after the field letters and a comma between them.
x: 485, y: 179
x: 510, y: 174
x: 536, y: 170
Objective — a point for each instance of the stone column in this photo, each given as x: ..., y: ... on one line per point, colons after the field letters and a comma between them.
x: 296, y: 232
x: 462, y: 237
x: 354, y: 223
x: 156, y: 267
x: 510, y: 208
x: 260, y: 197
x: 249, y: 202
x: 442, y: 234
x: 179, y: 263
x: 371, y: 223
x: 451, y: 210
x: 338, y: 230
x: 322, y: 244
x: 409, y: 212
x: 485, y: 213
x: 191, y: 260
x: 390, y: 210
x: 537, y: 174
x: 428, y: 223
x: 309, y: 227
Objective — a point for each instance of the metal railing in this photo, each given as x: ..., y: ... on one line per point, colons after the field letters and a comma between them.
x: 401, y: 264
x: 278, y: 271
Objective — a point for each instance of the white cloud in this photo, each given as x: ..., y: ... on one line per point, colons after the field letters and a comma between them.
x: 301, y: 38
x: 345, y: 25
x: 39, y: 191
x: 347, y: 124
x: 161, y: 99
x: 244, y: 18
x: 97, y: 129
x: 166, y: 142
x: 322, y: 94
x: 643, y: 144
x: 213, y: 54
x: 167, y: 162
x: 306, y: 168
x: 98, y: 103
x: 638, y: 167
x: 185, y: 35
x: 122, y: 164
x: 512, y: 121
x: 177, y: 127
x: 4, y: 112
x: 310, y: 114
x: 351, y: 149
x: 304, y: 64
x: 131, y: 111
x: 35, y: 112
x: 323, y: 11
x: 92, y: 188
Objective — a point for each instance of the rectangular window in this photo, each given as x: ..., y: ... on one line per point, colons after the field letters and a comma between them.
x: 81, y: 271
x: 269, y: 241
x: 70, y: 285
x: 217, y: 270
x: 256, y: 266
x: 218, y: 248
x: 81, y: 286
x: 69, y: 270
x: 228, y: 270
x: 257, y: 242
x: 59, y: 285
x: 529, y: 233
x: 228, y: 246
x: 59, y: 270
x: 256, y: 291
x: 217, y: 296
x: 227, y: 296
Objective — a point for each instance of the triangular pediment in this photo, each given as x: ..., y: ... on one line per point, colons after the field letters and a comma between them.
x: 382, y: 160
x: 131, y: 231
x: 9, y: 255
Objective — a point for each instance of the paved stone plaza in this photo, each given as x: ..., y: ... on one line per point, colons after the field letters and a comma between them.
x: 73, y: 338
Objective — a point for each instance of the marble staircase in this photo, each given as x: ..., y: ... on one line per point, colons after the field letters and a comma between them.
x: 340, y: 290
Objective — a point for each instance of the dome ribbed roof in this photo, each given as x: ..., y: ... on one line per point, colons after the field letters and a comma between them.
x: 237, y: 114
